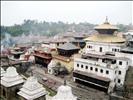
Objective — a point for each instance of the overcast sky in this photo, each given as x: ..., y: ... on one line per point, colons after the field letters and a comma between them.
x: 14, y: 12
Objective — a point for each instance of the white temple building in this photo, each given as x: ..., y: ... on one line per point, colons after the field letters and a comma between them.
x: 32, y: 90
x: 64, y: 93
x: 106, y: 40
x: 10, y: 83
x: 51, y: 65
x: 11, y: 78
x: 99, y: 65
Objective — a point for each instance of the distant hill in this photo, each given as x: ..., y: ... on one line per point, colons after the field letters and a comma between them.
x: 51, y: 28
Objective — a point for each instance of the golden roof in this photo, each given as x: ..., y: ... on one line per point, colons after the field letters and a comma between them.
x: 105, y: 38
x: 106, y: 25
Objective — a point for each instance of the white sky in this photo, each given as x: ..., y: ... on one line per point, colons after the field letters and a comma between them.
x: 14, y: 12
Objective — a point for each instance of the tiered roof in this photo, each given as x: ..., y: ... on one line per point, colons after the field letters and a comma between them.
x: 106, y: 25
x: 32, y: 89
x: 105, y: 38
x: 105, y: 34
x: 11, y: 78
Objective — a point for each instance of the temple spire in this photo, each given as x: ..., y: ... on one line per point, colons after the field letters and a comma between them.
x: 106, y: 20
x: 64, y: 82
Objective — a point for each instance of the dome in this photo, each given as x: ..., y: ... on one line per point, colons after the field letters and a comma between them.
x: 64, y: 93
x: 11, y: 72
x: 105, y: 38
x: 32, y: 83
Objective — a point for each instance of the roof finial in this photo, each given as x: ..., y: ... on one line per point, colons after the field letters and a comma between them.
x: 106, y: 20
x: 64, y: 82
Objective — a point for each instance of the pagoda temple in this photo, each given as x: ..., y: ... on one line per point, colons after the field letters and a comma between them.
x: 16, y: 52
x: 67, y: 49
x: 42, y: 56
x: 32, y: 90
x: 10, y: 84
x: 105, y: 40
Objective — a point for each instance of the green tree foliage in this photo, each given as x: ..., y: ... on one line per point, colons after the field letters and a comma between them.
x: 51, y: 28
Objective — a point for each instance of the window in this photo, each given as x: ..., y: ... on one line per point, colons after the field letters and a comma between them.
x: 96, y: 69
x: 113, y: 62
x: 112, y: 49
x: 107, y: 72
x: 119, y: 72
x: 120, y: 62
x: 4, y: 93
x: 115, y: 72
x: 86, y: 67
x: 81, y: 66
x: 57, y: 44
x: 100, y: 49
x: 16, y: 91
x: 119, y: 81
x: 101, y: 71
x: 91, y: 68
x: 77, y: 65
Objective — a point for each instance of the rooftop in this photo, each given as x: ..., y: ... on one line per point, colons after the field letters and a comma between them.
x: 105, y: 38
x: 127, y: 49
x: 68, y: 46
x: 105, y: 56
x: 106, y: 25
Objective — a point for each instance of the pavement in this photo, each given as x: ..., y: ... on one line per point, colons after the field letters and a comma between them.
x: 82, y: 92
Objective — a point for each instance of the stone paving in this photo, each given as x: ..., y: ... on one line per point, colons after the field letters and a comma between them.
x: 82, y: 92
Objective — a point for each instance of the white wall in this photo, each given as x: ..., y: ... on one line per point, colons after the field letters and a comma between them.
x: 113, y: 71
x: 106, y: 47
x: 130, y: 56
